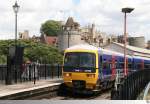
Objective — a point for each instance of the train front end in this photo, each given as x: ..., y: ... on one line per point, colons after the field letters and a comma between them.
x: 80, y: 69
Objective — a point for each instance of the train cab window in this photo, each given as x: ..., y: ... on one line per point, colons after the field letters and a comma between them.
x: 71, y: 59
x: 87, y: 60
x: 77, y: 59
x: 82, y: 61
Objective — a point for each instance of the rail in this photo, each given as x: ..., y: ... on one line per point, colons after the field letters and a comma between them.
x: 131, y: 86
x: 29, y: 72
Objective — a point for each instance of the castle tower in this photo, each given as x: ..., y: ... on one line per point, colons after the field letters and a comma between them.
x: 24, y: 35
x: 70, y: 35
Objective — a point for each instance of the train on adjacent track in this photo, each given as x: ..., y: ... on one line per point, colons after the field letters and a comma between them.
x: 86, y: 67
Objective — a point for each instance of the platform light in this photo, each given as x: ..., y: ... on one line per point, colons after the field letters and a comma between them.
x: 125, y: 11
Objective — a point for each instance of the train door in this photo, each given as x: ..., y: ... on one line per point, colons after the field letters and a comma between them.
x: 113, y: 68
x: 100, y: 71
x: 104, y: 66
x: 120, y: 65
x: 106, y: 69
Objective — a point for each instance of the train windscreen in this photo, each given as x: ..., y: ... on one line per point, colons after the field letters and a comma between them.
x: 79, y: 62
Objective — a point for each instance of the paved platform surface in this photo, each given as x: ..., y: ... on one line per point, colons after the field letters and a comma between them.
x: 27, y: 86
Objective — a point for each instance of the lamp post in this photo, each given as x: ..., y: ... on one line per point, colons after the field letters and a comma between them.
x: 125, y: 11
x: 16, y: 9
x: 68, y: 38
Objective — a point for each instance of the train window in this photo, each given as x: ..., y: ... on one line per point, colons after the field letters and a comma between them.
x: 146, y: 66
x: 87, y: 60
x: 139, y: 66
x: 136, y: 66
x: 104, y: 59
x: 117, y: 65
x: 101, y: 59
x: 129, y: 65
x: 79, y: 59
x: 71, y: 59
x: 121, y: 65
x: 109, y: 68
x: 110, y: 65
x: 105, y: 65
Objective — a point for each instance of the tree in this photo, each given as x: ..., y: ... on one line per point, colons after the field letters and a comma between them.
x: 33, y: 51
x: 51, y: 28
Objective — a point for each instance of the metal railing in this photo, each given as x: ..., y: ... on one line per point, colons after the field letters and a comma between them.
x: 30, y: 72
x: 131, y: 86
x: 3, y: 69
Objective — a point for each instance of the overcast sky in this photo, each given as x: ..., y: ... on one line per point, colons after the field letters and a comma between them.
x: 106, y: 14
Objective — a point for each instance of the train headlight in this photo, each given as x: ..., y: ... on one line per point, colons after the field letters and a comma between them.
x: 90, y: 75
x: 67, y: 74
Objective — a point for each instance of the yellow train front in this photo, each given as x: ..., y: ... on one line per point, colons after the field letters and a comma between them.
x: 80, y: 67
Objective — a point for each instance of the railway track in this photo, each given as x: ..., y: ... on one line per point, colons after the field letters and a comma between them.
x: 61, y: 93
x: 104, y: 95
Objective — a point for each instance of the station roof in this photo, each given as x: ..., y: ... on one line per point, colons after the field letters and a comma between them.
x: 135, y: 49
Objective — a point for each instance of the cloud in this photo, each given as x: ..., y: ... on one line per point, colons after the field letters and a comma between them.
x: 106, y: 14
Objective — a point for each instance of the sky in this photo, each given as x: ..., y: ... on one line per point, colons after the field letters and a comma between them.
x: 106, y: 14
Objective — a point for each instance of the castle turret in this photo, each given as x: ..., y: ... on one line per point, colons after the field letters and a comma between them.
x: 70, y: 35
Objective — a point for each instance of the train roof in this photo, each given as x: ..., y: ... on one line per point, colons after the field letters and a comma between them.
x: 81, y: 47
x: 104, y: 51
x: 100, y: 50
x: 91, y: 47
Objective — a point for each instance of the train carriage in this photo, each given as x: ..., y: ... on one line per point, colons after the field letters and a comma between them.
x: 86, y: 67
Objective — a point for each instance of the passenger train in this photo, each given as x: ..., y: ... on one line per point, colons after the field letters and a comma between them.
x: 86, y: 67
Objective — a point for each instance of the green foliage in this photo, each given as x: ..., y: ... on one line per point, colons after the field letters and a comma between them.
x: 51, y: 28
x: 3, y: 59
x: 34, y: 51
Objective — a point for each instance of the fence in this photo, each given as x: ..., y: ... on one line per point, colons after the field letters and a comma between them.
x: 3, y: 69
x: 131, y: 86
x: 29, y: 72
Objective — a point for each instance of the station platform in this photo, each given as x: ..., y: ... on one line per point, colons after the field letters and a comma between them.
x: 24, y: 90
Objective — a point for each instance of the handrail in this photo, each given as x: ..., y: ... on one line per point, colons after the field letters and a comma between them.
x: 131, y: 86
